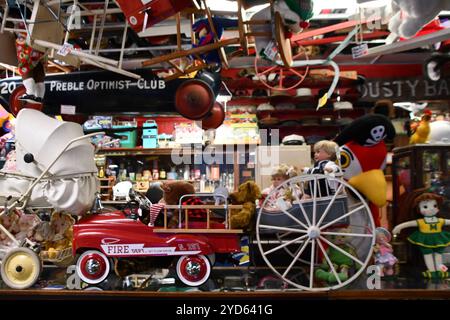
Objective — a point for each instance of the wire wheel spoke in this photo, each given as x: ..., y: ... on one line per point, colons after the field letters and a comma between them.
x: 266, y: 71
x: 281, y: 236
x: 297, y: 256
x: 285, y: 244
x: 315, y: 201
x: 342, y: 251
x: 329, y: 205
x: 342, y: 217
x: 294, y: 218
x: 297, y: 73
x: 345, y: 234
x: 301, y: 207
x: 311, y: 267
x: 327, y: 258
x: 264, y: 226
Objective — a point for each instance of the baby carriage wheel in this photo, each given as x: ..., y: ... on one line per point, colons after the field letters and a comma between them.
x: 20, y: 268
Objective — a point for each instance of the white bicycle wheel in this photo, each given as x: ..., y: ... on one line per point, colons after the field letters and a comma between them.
x: 334, y: 224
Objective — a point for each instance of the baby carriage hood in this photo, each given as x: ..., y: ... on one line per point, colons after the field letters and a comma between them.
x: 71, y: 183
x: 45, y: 138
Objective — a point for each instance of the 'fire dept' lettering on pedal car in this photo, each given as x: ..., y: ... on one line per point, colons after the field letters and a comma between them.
x: 138, y: 249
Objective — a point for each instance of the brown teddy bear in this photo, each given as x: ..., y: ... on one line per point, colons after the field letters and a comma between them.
x: 247, y: 194
x: 173, y: 191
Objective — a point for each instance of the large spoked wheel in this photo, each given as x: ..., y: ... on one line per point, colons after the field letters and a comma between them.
x: 193, y: 270
x: 328, y: 235
x: 93, y: 267
x: 281, y: 78
x: 21, y: 268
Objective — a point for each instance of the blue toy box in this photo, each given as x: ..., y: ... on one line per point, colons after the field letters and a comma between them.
x: 127, y: 137
x: 150, y: 134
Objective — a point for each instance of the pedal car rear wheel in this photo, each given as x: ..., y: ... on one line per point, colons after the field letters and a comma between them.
x: 21, y: 268
x: 93, y: 267
x: 193, y: 270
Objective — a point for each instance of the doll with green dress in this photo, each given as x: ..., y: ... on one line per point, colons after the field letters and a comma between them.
x: 431, y: 238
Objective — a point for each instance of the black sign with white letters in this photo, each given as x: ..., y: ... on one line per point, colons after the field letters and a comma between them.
x: 405, y: 89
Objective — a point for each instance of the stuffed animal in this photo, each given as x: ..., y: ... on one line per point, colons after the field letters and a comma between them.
x: 341, y: 262
x: 421, y: 130
x: 173, y: 192
x: 407, y: 17
x: 11, y: 222
x: 62, y: 226
x: 26, y: 224
x: 247, y: 194
x: 42, y: 233
x: 206, y: 36
x: 363, y: 157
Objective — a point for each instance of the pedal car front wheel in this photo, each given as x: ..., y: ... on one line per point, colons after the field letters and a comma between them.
x: 93, y: 267
x: 193, y: 270
x: 20, y: 268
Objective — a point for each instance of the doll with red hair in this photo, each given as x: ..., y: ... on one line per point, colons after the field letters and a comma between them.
x: 431, y: 238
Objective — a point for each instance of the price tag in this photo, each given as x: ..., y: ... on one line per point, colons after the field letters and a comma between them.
x: 65, y: 49
x: 271, y: 51
x: 66, y: 109
x: 360, y: 50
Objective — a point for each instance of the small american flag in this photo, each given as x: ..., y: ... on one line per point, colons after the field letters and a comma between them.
x: 154, y: 212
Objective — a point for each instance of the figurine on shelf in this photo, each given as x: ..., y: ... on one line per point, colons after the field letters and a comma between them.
x: 430, y: 237
x: 384, y: 259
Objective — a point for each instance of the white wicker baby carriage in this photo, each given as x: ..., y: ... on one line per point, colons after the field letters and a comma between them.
x: 55, y: 169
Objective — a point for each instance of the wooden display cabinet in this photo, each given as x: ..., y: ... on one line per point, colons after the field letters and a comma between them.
x: 419, y: 168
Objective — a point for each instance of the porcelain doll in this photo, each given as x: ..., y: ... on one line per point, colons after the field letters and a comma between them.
x: 384, y: 259
x: 431, y: 238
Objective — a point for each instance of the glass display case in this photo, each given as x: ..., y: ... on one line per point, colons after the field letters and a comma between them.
x: 417, y: 169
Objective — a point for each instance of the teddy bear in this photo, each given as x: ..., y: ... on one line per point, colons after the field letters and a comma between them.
x: 62, y: 229
x: 173, y: 192
x: 26, y: 224
x: 11, y: 223
x: 246, y: 195
x: 42, y: 233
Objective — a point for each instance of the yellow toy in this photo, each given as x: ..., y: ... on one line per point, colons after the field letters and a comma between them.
x: 422, y: 130
x: 62, y: 226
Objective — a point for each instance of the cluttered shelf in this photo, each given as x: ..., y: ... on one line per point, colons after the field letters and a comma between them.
x: 188, y: 150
